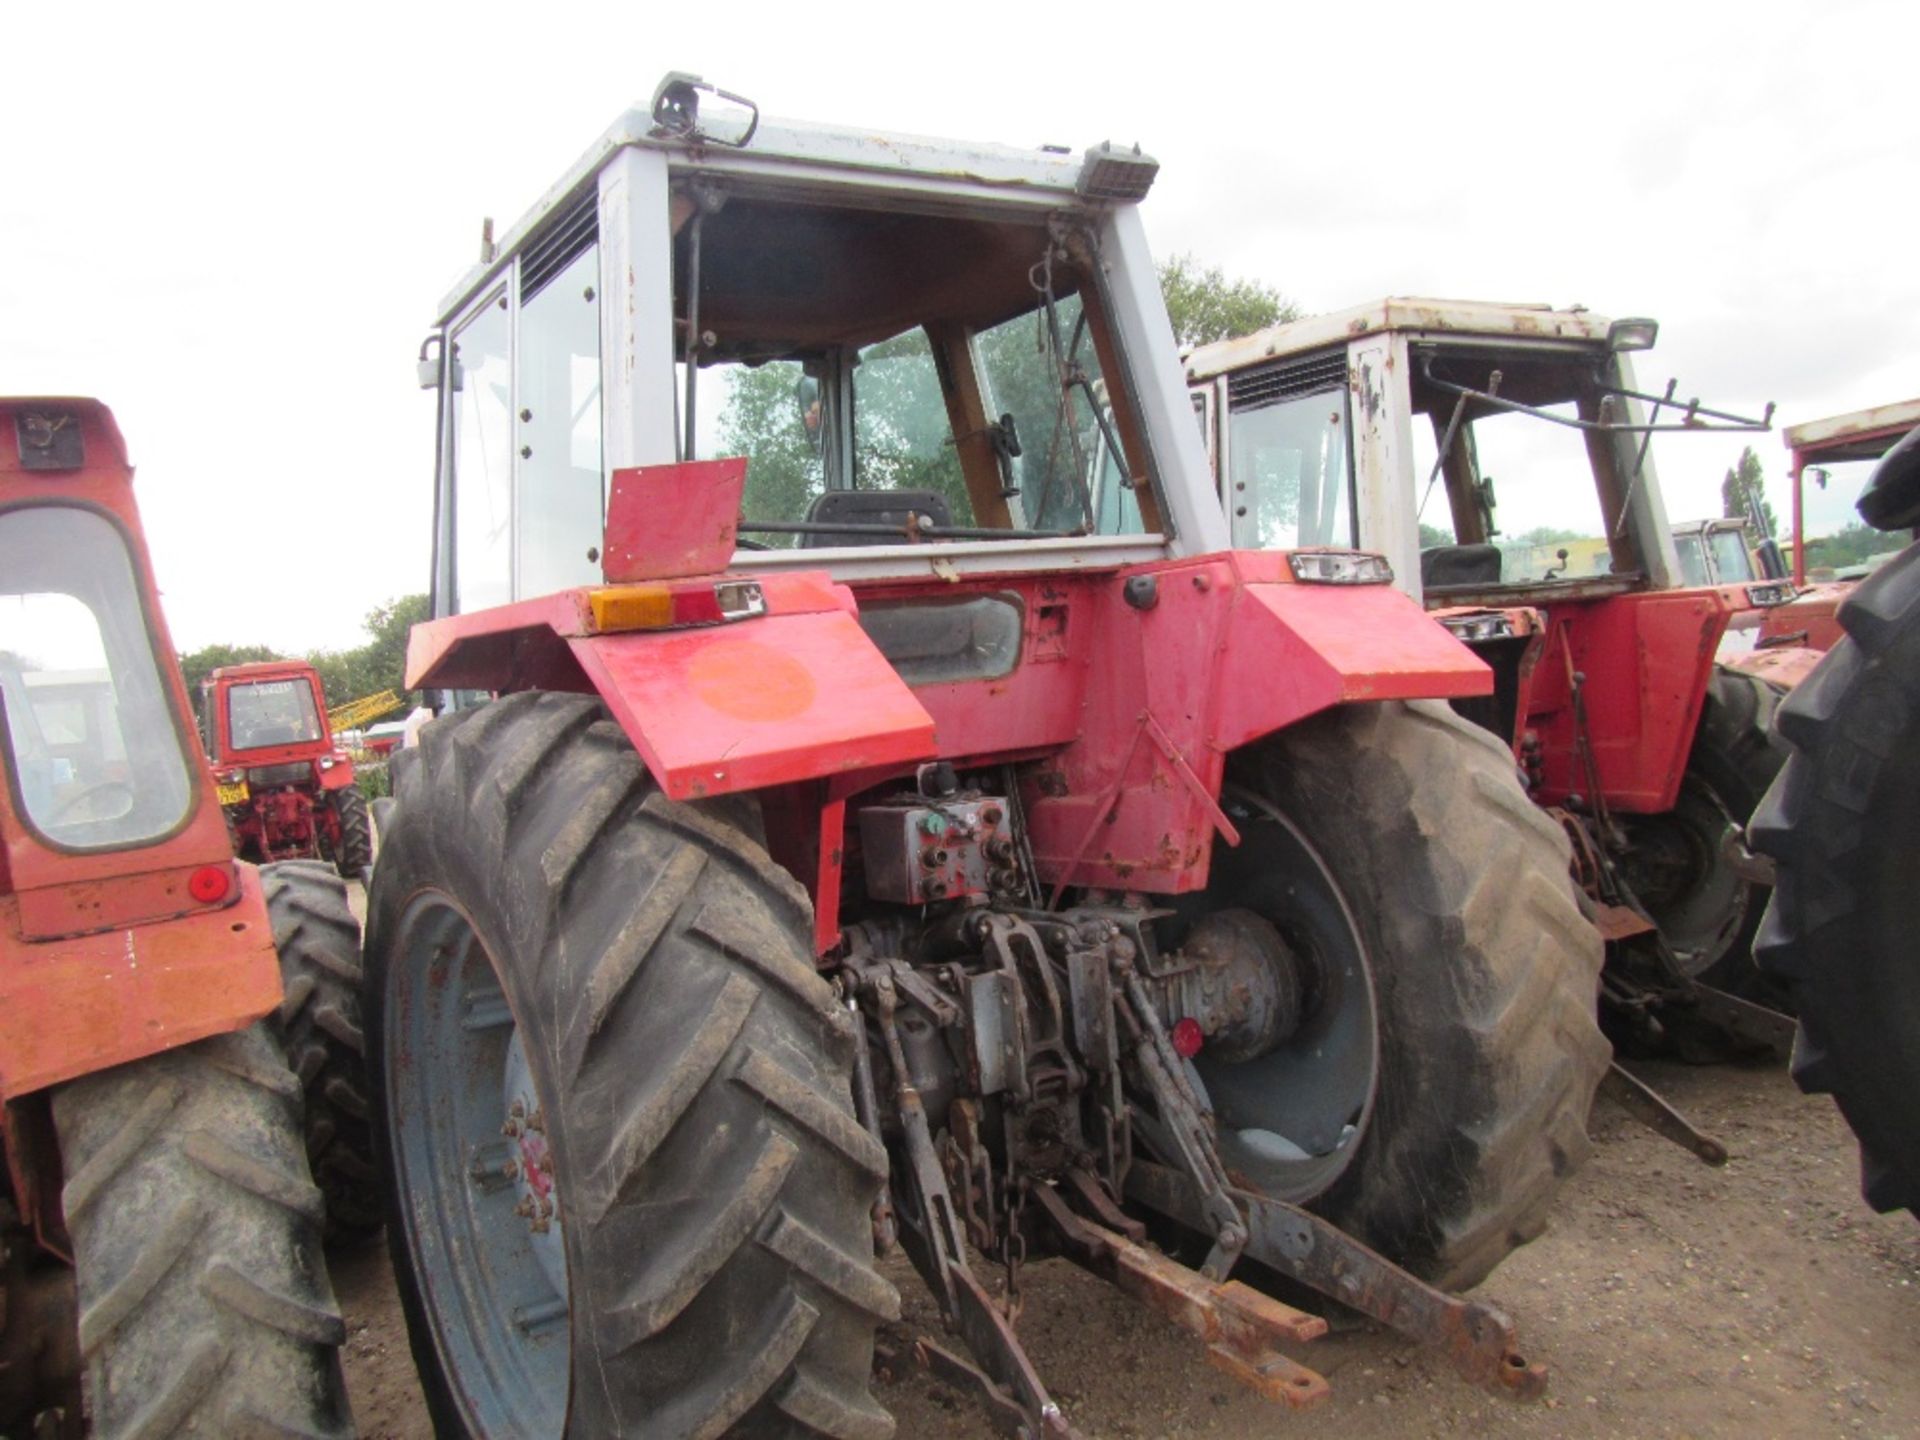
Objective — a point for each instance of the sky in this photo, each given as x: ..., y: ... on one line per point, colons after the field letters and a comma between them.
x: 234, y: 223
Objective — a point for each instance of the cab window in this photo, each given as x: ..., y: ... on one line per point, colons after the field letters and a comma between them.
x: 93, y: 752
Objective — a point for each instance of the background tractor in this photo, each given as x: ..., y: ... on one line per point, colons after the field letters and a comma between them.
x: 1842, y: 825
x: 288, y: 790
x: 873, y: 840
x: 160, y: 1224
x: 1386, y: 426
x: 1832, y: 550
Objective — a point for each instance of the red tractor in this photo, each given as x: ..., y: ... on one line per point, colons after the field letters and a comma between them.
x: 288, y: 790
x: 159, y: 1219
x: 875, y: 841
x: 1499, y: 456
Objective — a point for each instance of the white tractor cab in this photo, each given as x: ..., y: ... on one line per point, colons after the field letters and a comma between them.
x: 1498, y: 456
x: 1469, y: 443
x: 1715, y: 553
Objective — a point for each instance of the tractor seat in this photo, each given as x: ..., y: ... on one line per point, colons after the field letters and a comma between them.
x: 872, y: 507
x: 1445, y: 566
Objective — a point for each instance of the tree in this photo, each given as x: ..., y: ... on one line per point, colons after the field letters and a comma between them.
x: 196, y: 665
x: 1432, y: 535
x: 1206, y: 306
x: 1742, y: 480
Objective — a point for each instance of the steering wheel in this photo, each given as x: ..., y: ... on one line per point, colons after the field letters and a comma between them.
x: 74, y: 802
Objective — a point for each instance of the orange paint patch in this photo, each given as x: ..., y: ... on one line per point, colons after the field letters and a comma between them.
x: 751, y: 681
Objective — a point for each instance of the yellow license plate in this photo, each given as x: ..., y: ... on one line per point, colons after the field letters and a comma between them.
x: 234, y: 794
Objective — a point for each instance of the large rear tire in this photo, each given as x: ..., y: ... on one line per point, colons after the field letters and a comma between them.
x: 1843, y: 826
x: 1679, y: 863
x: 204, y: 1302
x: 615, y: 1094
x: 320, y: 974
x: 1450, y: 1037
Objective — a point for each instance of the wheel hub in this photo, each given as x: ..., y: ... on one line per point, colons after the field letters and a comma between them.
x: 1240, y: 983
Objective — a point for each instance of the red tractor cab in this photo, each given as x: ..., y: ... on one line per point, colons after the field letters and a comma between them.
x: 1499, y: 456
x: 152, y: 1124
x: 288, y: 789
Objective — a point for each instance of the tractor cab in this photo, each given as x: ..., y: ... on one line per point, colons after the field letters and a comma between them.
x: 918, y: 349
x: 1499, y: 457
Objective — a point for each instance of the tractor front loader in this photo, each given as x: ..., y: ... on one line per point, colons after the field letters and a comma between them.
x: 159, y: 1220
x: 872, y: 840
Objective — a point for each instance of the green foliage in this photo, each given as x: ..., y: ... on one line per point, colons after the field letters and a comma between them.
x: 1432, y: 535
x: 1743, y: 479
x: 198, y: 664
x: 763, y: 421
x: 1206, y: 306
x: 1851, y: 544
x: 373, y: 779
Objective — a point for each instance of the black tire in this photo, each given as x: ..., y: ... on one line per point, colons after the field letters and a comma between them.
x: 1484, y: 977
x: 204, y: 1302
x: 354, y: 854
x: 691, y: 1069
x: 1713, y: 915
x: 319, y: 1021
x: 1842, y: 824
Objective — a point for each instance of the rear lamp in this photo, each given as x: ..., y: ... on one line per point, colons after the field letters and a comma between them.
x: 1468, y: 628
x: 1777, y: 593
x: 1634, y: 334
x: 675, y: 606
x: 1187, y: 1037
x: 1340, y: 567
x: 210, y: 883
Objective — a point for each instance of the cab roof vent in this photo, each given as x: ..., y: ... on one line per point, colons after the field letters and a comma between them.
x: 559, y: 245
x: 1285, y: 379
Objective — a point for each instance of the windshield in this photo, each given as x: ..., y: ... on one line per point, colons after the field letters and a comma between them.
x: 93, y: 752
x: 271, y: 712
x: 898, y: 378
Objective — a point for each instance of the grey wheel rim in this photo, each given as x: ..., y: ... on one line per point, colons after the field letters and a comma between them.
x: 480, y: 1208
x: 1292, y: 1120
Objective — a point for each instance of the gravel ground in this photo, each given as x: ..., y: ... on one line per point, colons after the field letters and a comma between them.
x: 1668, y: 1299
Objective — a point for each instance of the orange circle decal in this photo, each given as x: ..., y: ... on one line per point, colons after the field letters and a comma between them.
x: 751, y: 681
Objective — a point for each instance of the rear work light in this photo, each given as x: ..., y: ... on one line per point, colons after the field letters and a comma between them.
x: 1340, y: 567
x: 675, y: 606
x: 1477, y: 627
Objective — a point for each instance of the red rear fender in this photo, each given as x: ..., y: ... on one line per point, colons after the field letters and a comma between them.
x: 797, y: 693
